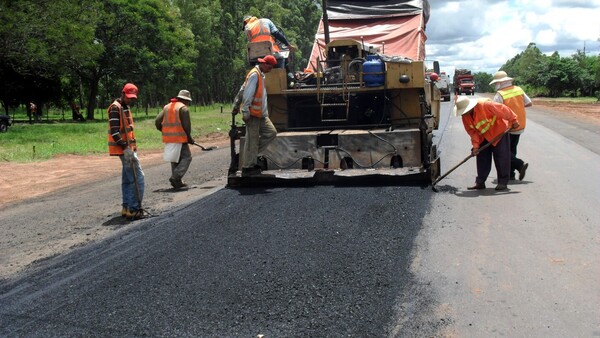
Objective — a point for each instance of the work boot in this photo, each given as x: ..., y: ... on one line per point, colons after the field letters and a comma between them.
x: 261, y: 162
x: 523, y: 171
x: 177, y: 184
x: 501, y: 187
x: 124, y: 212
x: 133, y: 215
x: 477, y: 186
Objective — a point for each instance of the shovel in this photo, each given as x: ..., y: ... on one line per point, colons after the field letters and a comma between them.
x: 467, y: 158
x: 204, y: 148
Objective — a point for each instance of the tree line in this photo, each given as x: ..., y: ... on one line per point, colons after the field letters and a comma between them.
x: 83, y: 51
x: 549, y: 76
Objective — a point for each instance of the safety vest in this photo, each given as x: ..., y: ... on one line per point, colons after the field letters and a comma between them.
x: 485, y: 120
x: 114, y: 148
x: 258, y: 31
x: 513, y: 97
x: 172, y: 129
x: 256, y: 109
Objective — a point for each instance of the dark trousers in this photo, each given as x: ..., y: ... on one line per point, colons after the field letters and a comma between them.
x: 501, y: 155
x: 515, y: 163
x: 180, y: 168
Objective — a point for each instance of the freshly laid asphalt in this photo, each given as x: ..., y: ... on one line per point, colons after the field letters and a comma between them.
x: 316, y: 261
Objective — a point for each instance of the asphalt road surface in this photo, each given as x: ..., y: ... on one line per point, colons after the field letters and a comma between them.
x: 353, y: 261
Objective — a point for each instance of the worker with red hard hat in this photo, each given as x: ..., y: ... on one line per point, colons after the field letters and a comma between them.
x: 252, y: 101
x: 122, y: 143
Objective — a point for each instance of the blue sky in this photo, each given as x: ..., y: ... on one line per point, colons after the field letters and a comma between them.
x: 483, y: 35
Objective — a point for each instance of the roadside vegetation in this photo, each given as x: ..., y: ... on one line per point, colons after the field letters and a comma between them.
x: 25, y: 142
x: 554, y: 76
x: 62, y: 52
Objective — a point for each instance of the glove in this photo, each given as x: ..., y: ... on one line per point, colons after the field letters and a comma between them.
x: 191, y: 141
x: 128, y: 153
x: 515, y: 125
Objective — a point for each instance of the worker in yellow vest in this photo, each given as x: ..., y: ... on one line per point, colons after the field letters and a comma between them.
x: 515, y: 98
x: 176, y: 127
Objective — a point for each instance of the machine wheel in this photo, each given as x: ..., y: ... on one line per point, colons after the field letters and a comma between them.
x: 3, y: 127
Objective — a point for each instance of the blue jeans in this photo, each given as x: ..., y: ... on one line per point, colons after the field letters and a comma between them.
x: 128, y: 186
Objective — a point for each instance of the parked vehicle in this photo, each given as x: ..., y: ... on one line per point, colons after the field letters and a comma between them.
x: 443, y: 84
x: 4, y: 123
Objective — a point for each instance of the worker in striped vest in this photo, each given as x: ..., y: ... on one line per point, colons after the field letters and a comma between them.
x: 122, y: 143
x: 516, y: 99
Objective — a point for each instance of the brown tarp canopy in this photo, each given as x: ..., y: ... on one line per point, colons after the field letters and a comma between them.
x: 400, y: 24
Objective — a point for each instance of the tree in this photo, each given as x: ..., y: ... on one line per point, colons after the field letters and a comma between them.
x: 42, y: 41
x: 561, y: 75
x: 482, y: 81
x: 142, y: 41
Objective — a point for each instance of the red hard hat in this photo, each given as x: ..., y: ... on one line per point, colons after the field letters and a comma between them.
x: 434, y: 76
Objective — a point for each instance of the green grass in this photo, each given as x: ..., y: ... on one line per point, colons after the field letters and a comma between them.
x: 26, y: 142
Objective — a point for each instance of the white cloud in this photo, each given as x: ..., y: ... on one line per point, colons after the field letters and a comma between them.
x: 483, y: 35
x: 546, y: 37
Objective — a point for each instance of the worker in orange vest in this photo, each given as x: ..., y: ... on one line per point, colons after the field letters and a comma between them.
x: 252, y: 101
x: 122, y: 143
x: 484, y: 120
x: 175, y: 124
x: 258, y: 30
x: 514, y: 97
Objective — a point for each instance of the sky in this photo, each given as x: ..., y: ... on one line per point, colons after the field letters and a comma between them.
x: 483, y: 35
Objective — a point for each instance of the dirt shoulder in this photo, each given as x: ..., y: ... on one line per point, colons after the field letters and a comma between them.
x: 52, y: 207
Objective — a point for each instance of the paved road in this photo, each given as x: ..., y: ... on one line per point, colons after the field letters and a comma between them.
x: 524, y: 262
x: 330, y: 262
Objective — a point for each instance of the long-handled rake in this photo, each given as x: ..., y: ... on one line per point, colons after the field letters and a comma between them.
x: 467, y: 158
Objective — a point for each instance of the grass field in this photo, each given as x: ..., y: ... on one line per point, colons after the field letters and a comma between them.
x: 25, y: 142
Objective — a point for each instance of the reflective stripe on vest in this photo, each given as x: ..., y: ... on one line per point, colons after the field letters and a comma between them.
x: 257, y: 31
x: 113, y: 147
x: 484, y: 125
x: 514, y: 98
x: 509, y: 92
x: 256, y: 106
x: 172, y: 129
x: 486, y: 117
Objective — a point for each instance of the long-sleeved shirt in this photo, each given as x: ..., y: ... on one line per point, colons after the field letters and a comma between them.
x: 114, y: 121
x: 487, y: 120
x: 249, y: 89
